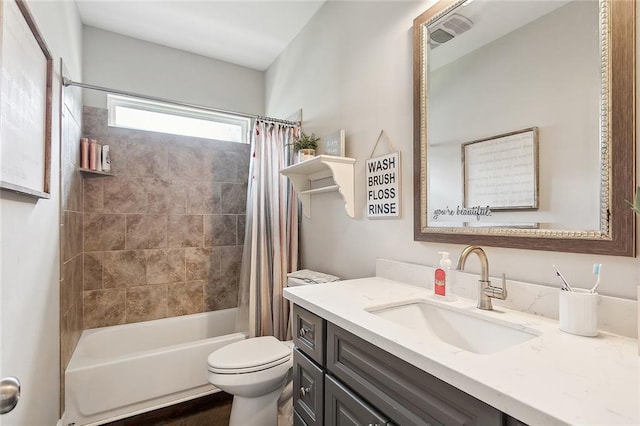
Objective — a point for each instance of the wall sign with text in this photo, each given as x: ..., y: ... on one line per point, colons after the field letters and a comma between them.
x: 383, y: 186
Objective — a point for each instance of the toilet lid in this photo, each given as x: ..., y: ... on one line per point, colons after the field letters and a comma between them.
x: 249, y: 355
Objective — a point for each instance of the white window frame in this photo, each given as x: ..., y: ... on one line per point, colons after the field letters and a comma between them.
x: 114, y: 101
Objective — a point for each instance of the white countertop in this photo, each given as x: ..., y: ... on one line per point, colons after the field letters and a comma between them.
x: 555, y: 378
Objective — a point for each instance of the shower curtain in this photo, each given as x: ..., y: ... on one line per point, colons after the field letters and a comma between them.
x: 271, y: 233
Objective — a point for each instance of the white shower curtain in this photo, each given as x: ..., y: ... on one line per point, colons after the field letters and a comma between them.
x: 271, y: 233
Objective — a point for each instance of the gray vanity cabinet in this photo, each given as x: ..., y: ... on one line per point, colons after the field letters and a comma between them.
x: 318, y: 399
x: 408, y: 395
x: 341, y: 379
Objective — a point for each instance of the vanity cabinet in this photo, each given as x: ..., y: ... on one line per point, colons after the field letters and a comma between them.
x: 353, y: 382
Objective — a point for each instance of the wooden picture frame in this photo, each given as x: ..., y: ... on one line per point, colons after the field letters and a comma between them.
x: 26, y: 88
x: 502, y: 171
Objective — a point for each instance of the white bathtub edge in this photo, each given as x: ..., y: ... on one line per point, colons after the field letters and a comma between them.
x: 191, y: 394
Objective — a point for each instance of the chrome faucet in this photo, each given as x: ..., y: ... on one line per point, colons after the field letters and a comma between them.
x: 485, y: 290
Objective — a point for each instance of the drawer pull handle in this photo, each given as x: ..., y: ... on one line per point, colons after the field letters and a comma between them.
x: 305, y: 391
x: 305, y: 332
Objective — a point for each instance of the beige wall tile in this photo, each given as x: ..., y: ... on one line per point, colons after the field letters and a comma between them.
x: 166, y: 196
x: 165, y: 266
x: 185, y: 231
x: 104, y: 232
x: 66, y: 286
x: 242, y: 223
x: 146, y: 231
x: 230, y: 261
x: 220, y: 230
x: 73, y: 282
x: 70, y: 330
x: 185, y: 298
x: 202, y: 263
x: 71, y: 190
x: 203, y: 197
x: 124, y: 268
x: 221, y: 293
x: 146, y: 303
x: 220, y: 165
x: 71, y: 234
x: 104, y: 307
x: 185, y: 162
x: 124, y: 195
x: 93, y: 271
x: 93, y: 194
x: 146, y: 157
x: 234, y: 198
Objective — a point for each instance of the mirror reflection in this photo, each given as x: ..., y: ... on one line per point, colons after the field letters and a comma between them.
x: 494, y: 70
x: 524, y: 124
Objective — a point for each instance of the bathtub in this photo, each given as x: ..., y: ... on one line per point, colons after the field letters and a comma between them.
x: 119, y: 371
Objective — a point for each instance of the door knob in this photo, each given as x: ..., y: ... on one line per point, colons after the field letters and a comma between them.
x: 9, y: 394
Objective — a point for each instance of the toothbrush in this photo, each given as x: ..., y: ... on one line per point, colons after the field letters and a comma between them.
x: 565, y: 285
x: 596, y: 271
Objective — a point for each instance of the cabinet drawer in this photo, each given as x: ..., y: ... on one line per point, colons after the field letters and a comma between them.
x: 308, y: 389
x: 297, y: 420
x: 309, y: 333
x: 408, y: 395
x: 343, y: 408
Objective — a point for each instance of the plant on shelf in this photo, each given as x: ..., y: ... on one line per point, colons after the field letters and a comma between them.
x: 306, y: 146
x: 306, y: 142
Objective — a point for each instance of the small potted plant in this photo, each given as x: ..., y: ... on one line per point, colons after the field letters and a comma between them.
x: 305, y: 146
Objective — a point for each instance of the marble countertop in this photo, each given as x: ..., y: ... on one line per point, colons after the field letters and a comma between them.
x: 555, y: 378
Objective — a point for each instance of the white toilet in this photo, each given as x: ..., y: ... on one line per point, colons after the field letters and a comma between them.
x: 255, y: 371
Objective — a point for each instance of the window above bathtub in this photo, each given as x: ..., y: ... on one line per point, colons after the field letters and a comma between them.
x: 134, y: 113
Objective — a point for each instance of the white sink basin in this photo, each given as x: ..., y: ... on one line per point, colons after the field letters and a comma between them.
x: 464, y: 329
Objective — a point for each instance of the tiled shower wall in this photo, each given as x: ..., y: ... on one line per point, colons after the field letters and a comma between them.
x: 163, y: 237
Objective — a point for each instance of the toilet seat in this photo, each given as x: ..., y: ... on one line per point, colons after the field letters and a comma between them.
x: 250, y: 355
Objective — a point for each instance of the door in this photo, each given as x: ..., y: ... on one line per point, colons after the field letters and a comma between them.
x: 29, y: 296
x: 29, y: 289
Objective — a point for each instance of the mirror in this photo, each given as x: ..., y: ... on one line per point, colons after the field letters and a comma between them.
x: 524, y: 124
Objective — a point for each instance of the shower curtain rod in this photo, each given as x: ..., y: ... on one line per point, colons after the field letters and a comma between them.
x: 68, y: 82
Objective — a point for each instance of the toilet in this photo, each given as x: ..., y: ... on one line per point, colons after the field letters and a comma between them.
x: 256, y: 370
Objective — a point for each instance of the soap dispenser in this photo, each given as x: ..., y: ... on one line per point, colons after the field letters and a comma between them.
x: 442, y: 274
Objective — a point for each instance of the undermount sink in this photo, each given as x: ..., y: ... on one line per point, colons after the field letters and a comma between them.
x: 463, y: 329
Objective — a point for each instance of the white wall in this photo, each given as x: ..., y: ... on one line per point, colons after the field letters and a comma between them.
x: 29, y: 244
x: 351, y: 68
x: 124, y: 63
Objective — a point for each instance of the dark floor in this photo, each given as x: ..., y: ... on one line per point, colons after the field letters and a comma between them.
x: 210, y: 410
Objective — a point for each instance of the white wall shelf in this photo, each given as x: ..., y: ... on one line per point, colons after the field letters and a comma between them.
x: 341, y: 169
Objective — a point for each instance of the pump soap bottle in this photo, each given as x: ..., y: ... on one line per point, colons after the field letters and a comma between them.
x: 442, y: 274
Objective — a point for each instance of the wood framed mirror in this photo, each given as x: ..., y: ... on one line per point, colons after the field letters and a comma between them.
x: 486, y: 70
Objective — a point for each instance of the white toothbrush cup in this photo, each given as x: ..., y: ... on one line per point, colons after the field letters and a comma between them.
x: 579, y: 312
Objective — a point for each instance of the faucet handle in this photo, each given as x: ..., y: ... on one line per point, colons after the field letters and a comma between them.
x: 497, y: 292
